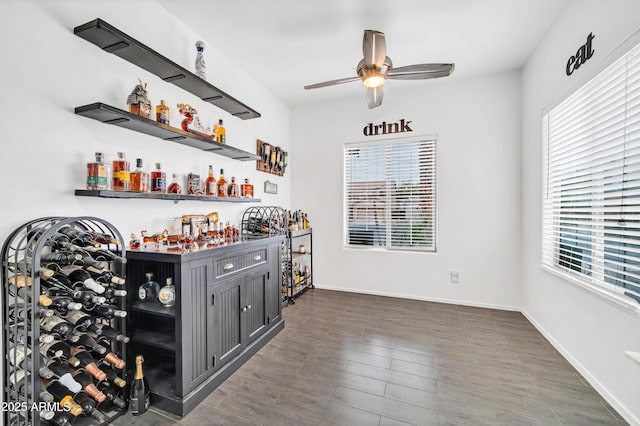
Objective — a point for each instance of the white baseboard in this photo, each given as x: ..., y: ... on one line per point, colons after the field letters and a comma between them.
x: 599, y: 387
x: 426, y: 299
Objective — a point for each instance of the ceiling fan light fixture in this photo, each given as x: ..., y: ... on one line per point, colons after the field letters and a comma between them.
x: 373, y: 78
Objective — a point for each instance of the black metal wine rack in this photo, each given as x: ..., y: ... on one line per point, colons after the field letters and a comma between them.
x: 22, y: 255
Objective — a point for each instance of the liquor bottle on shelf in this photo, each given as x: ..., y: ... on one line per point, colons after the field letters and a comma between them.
x: 221, y: 133
x: 162, y: 113
x: 108, y: 311
x: 139, y: 178
x: 174, y: 186
x: 83, y: 277
x: 62, y: 374
x: 110, y: 332
x: 246, y: 189
x: 97, y: 173
x: 63, y: 396
x: 105, y: 276
x: 167, y: 295
x: 210, y: 185
x: 88, y: 363
x: 89, y: 407
x: 121, y: 174
x: 193, y: 184
x: 139, y: 394
x: 222, y: 185
x: 149, y: 290
x: 61, y: 350
x: 134, y: 241
x: 232, y: 190
x: 158, y: 180
x: 112, y: 377
x: 86, y: 381
x: 112, y: 395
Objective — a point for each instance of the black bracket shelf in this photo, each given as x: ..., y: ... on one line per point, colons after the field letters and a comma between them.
x: 112, y: 40
x: 100, y: 193
x: 111, y: 115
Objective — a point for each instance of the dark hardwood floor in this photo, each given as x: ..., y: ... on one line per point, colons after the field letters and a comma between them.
x: 352, y: 359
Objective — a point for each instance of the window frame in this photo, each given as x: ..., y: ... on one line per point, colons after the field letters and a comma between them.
x: 433, y: 138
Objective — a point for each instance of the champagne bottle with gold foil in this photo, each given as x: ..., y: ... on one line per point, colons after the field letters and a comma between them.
x: 139, y: 394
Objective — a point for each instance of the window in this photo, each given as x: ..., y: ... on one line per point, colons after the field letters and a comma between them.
x: 591, y: 208
x: 390, y: 189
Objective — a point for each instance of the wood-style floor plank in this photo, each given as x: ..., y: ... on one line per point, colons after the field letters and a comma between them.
x: 347, y: 359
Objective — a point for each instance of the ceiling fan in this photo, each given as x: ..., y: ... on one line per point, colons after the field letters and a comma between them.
x: 376, y: 67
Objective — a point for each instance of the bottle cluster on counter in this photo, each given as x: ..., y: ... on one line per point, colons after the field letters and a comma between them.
x: 119, y: 177
x: 79, y: 370
x: 189, y: 232
x: 297, y: 220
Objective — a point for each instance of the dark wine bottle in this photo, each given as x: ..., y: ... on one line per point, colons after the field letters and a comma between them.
x: 55, y: 324
x: 89, y: 407
x: 46, y: 396
x: 60, y: 258
x: 61, y: 350
x: 86, y: 381
x: 64, y: 304
x: 81, y: 276
x: 63, y: 375
x: 89, y: 343
x: 109, y: 311
x: 103, y: 238
x: 78, y: 237
x: 61, y: 418
x: 88, y: 261
x: 88, y: 363
x: 139, y: 395
x: 112, y: 395
x: 105, y: 276
x: 58, y: 282
x: 112, y: 376
x: 81, y: 319
x: 88, y: 298
x: 111, y: 292
x: 103, y: 254
x: 109, y: 332
x: 63, y: 396
x: 114, y: 360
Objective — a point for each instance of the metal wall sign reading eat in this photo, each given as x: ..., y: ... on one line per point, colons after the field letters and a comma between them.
x: 584, y: 53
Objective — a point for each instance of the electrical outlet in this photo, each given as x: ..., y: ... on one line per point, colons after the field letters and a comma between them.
x: 454, y: 276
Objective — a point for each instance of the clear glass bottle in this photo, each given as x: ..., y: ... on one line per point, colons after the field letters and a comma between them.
x: 222, y: 185
x: 232, y: 189
x: 149, y: 290
x: 210, y: 187
x: 168, y: 294
x: 158, y: 180
x: 97, y: 177
x: 221, y: 133
x: 139, y: 178
x: 246, y: 189
x: 174, y: 186
x: 121, y: 174
x: 162, y: 113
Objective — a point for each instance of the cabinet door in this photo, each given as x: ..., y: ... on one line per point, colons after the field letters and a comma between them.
x: 197, y: 324
x: 273, y: 297
x: 254, y: 308
x: 226, y: 339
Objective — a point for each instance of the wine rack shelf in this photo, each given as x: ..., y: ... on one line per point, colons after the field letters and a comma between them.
x: 154, y: 308
x: 112, y: 40
x: 28, y: 248
x: 154, y: 196
x: 303, y: 260
x: 111, y: 115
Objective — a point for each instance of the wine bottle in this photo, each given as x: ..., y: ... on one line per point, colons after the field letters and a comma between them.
x: 105, y: 276
x: 78, y: 237
x: 112, y: 376
x: 81, y: 319
x: 58, y: 241
x: 88, y: 298
x: 86, y: 381
x: 19, y: 355
x: 83, y: 277
x: 112, y: 395
x: 109, y: 332
x: 109, y: 311
x: 100, y: 253
x: 64, y: 304
x: 89, y: 407
x: 88, y: 261
x: 103, y: 238
x: 61, y: 418
x: 61, y: 350
x: 63, y: 396
x: 20, y: 339
x: 20, y: 382
x: 46, y: 415
x: 63, y: 375
x: 139, y: 394
x: 89, y: 343
x: 55, y: 324
x: 111, y: 292
x: 46, y: 396
x: 59, y: 282
x: 88, y: 363
x: 113, y: 359
x: 60, y: 258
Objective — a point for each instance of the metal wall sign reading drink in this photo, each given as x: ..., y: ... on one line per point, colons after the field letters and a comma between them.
x: 584, y: 53
x: 385, y: 128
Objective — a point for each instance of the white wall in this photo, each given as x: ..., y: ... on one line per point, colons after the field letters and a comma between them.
x: 589, y: 331
x: 478, y: 151
x: 47, y: 71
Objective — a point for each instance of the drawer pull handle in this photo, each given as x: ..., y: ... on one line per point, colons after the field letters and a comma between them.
x: 258, y: 257
x: 228, y: 266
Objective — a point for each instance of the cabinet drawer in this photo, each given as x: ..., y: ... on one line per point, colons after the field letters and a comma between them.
x: 238, y: 262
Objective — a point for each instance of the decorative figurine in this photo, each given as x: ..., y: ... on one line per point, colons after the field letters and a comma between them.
x: 139, y: 102
x: 201, y: 67
x: 196, y: 128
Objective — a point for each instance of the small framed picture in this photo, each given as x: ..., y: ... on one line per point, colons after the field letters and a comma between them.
x: 270, y: 187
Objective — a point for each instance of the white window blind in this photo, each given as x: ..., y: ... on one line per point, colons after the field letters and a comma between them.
x: 390, y: 194
x: 591, y: 217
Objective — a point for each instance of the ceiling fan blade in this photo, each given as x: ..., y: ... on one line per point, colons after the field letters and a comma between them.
x: 374, y: 97
x: 374, y: 48
x: 332, y: 82
x: 421, y: 72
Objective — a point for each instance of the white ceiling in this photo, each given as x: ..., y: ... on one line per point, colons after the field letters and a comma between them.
x: 286, y: 44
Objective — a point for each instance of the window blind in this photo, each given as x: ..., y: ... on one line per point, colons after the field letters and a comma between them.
x: 390, y: 194
x: 591, y: 161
